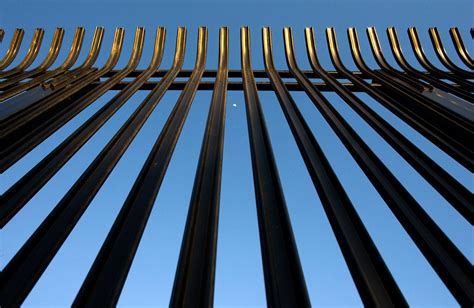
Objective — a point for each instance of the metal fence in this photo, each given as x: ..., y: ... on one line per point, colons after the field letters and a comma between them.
x: 36, y: 102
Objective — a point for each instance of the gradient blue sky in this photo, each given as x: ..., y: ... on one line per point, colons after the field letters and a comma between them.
x: 239, y: 276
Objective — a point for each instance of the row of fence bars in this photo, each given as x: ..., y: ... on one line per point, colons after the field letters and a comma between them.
x: 32, y: 110
x: 18, y: 35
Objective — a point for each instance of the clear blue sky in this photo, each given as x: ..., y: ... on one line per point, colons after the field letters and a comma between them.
x: 239, y: 276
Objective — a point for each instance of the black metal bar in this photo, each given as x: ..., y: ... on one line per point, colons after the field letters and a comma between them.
x: 411, y: 74
x: 284, y: 280
x: 26, y: 187
x: 13, y: 150
x: 457, y: 195
x: 109, y: 271
x: 239, y: 86
x: 16, y: 140
x: 31, y: 92
x: 417, y: 121
x: 443, y: 55
x: 22, y: 272
x: 75, y: 49
x: 30, y: 56
x: 84, y: 69
x: 445, y: 258
x: 373, y: 279
x: 234, y: 73
x: 422, y: 100
x: 194, y: 280
x: 13, y: 49
x: 426, y: 64
x: 403, y: 63
x: 461, y: 48
x: 47, y: 62
x: 26, y: 116
x: 427, y: 126
x: 58, y: 83
x: 16, y: 148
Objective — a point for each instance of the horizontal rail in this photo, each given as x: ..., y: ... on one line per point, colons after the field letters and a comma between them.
x: 238, y: 86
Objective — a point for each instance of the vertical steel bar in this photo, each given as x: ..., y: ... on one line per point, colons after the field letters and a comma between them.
x: 23, y: 271
x: 410, y: 73
x: 23, y: 126
x: 51, y: 56
x: 194, y: 280
x: 443, y: 55
x: 30, y: 56
x: 460, y: 48
x: 426, y: 64
x: 27, y: 186
x: 373, y: 280
x: 107, y: 276
x: 433, y: 100
x: 23, y: 118
x: 68, y: 62
x: 132, y: 64
x: 458, y: 196
x: 78, y: 105
x: 85, y: 68
x: 284, y: 280
x: 449, y: 110
x: 13, y: 49
x: 428, y: 126
x: 445, y: 258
